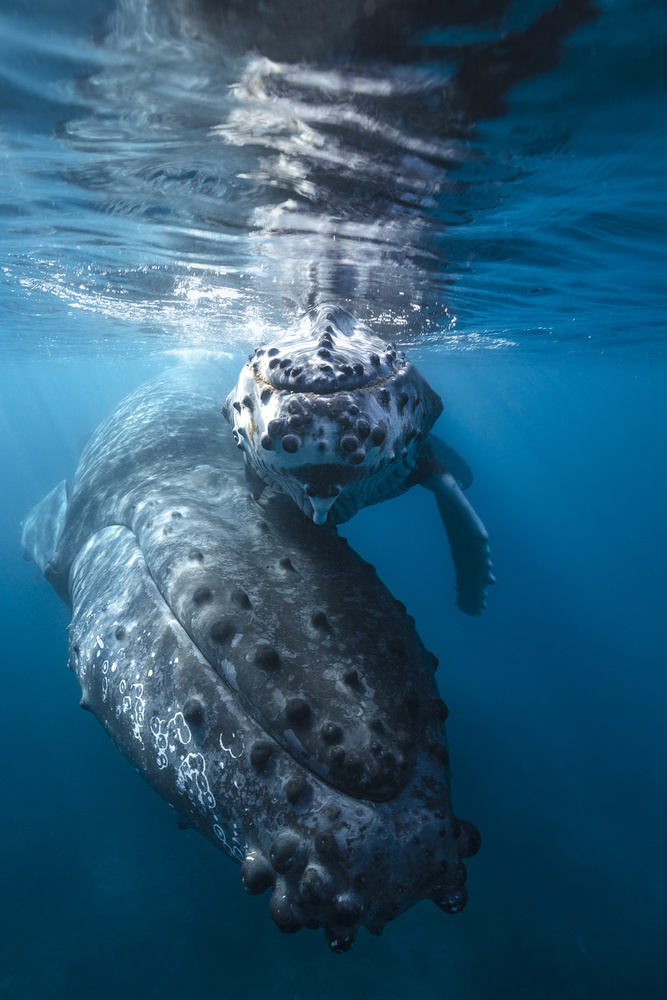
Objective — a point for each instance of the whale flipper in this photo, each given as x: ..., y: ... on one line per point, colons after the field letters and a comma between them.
x: 43, y: 526
x: 469, y: 542
x: 442, y: 470
x: 450, y: 458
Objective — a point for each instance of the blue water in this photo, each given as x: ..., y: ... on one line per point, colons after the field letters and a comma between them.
x: 533, y: 291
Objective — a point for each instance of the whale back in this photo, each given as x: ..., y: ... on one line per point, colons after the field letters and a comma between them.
x: 256, y: 671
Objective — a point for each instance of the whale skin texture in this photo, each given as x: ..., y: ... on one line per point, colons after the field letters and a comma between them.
x: 253, y: 668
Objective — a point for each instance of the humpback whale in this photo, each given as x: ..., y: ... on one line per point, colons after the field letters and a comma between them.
x: 253, y: 668
x: 338, y: 419
x: 245, y: 660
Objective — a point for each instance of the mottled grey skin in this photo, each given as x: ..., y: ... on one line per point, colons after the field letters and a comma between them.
x: 253, y: 668
x: 338, y: 420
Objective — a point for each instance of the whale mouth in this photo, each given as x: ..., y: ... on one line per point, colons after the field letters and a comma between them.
x: 321, y: 507
x: 333, y: 398
x: 318, y: 489
x: 321, y: 501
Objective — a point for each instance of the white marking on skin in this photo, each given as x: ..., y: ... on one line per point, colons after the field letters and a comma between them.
x: 230, y: 674
x: 165, y: 732
x: 352, y: 712
x: 234, y: 850
x: 236, y: 640
x: 192, y: 781
x: 228, y: 749
x: 139, y: 705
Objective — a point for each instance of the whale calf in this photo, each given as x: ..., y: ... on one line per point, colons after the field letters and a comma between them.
x: 338, y: 419
x: 253, y: 668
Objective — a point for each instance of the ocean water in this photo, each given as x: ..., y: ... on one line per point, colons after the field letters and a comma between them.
x: 162, y: 196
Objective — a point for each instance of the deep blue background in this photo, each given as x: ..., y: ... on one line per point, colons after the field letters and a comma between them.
x: 557, y: 693
x: 557, y: 732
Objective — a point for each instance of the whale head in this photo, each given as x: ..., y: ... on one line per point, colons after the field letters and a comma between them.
x: 331, y: 415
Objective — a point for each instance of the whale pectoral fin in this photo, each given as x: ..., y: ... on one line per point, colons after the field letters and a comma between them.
x: 43, y: 526
x: 443, y: 471
x: 450, y: 458
x: 468, y: 540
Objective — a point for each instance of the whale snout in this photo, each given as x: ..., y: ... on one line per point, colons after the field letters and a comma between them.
x: 331, y: 415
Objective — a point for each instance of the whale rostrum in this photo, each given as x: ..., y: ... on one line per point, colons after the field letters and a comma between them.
x: 253, y: 668
x: 338, y: 419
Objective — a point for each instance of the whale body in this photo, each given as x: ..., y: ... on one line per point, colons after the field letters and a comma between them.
x: 253, y: 668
